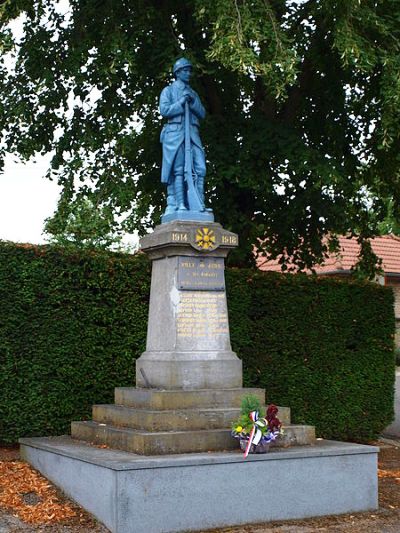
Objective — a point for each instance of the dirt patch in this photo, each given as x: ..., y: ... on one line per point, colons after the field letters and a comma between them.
x: 29, y: 503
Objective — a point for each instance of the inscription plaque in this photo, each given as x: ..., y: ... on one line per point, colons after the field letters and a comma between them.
x: 202, y: 315
x: 201, y: 273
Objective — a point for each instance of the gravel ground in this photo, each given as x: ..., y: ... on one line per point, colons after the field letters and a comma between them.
x: 385, y: 520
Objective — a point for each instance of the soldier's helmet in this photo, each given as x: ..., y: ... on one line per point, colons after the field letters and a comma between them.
x: 181, y: 63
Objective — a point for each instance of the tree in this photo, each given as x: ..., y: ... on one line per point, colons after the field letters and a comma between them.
x: 390, y: 224
x: 303, y: 101
x: 82, y: 224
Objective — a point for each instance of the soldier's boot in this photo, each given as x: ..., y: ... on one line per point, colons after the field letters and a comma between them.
x: 200, y: 191
x: 180, y: 192
x: 171, y: 205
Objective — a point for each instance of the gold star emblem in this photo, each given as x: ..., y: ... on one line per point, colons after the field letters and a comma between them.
x: 205, y: 239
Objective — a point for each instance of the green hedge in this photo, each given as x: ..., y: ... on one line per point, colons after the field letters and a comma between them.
x: 72, y: 324
x: 323, y: 346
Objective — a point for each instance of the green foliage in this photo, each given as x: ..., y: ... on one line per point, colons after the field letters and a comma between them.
x: 391, y: 223
x: 302, y: 100
x: 321, y: 346
x: 72, y: 324
x: 250, y: 403
x: 250, y: 39
x: 368, y: 264
x: 82, y: 224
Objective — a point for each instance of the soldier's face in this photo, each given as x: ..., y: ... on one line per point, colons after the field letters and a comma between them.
x: 184, y: 74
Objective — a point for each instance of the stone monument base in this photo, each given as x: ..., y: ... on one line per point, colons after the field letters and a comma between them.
x: 194, y: 370
x: 159, y: 422
x: 131, y: 493
x: 188, y: 341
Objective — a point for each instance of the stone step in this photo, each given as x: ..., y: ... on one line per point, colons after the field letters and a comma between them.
x: 177, y: 420
x: 174, y: 442
x: 153, y: 443
x: 172, y: 420
x: 183, y: 399
x: 295, y: 435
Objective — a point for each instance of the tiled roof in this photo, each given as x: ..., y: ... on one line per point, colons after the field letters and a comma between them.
x: 386, y: 247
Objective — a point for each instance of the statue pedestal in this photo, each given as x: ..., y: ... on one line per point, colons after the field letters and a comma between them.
x: 188, y: 343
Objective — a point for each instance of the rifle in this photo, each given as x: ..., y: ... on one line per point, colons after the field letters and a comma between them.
x: 194, y: 201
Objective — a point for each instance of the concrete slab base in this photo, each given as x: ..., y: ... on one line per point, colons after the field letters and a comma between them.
x: 191, y: 492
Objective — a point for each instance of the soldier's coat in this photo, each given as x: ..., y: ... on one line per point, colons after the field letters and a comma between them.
x: 173, y: 132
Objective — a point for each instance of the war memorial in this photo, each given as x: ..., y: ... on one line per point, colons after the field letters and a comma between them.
x: 162, y: 458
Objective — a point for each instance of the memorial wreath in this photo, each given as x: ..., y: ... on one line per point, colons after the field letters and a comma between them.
x: 255, y: 434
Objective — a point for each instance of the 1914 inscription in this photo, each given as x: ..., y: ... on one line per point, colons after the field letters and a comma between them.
x: 202, y: 315
x: 179, y: 237
x: 201, y: 273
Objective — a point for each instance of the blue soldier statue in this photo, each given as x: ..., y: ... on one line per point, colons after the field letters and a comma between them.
x: 183, y: 164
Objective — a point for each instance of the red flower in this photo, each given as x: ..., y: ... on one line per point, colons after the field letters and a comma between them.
x: 273, y: 421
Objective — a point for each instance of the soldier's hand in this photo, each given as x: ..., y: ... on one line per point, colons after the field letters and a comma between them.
x: 189, y: 95
x: 185, y: 98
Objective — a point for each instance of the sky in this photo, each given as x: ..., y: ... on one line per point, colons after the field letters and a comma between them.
x: 27, y: 198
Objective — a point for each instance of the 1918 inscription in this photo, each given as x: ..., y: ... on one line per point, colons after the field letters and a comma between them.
x: 229, y: 239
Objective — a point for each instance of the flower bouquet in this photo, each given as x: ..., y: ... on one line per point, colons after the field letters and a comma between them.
x: 254, y: 433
